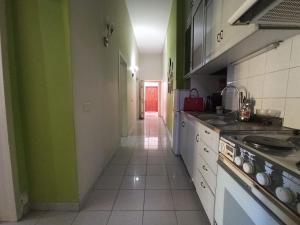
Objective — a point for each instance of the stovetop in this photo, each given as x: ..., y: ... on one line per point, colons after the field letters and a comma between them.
x: 287, y: 158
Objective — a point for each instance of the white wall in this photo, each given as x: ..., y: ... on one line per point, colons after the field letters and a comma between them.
x: 95, y: 70
x: 273, y: 80
x: 151, y: 67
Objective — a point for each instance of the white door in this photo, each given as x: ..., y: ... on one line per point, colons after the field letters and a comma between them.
x: 123, y: 96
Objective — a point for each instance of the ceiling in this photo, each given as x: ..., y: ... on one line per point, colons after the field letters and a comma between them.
x: 149, y: 19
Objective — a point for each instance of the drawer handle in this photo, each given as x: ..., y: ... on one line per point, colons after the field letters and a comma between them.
x: 207, y: 132
x: 204, y: 168
x: 182, y: 124
x: 206, y: 150
x: 202, y: 185
x: 222, y: 34
x: 197, y: 138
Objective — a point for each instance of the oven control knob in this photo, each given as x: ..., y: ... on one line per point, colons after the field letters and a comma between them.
x: 248, y: 168
x: 263, y: 179
x: 284, y: 194
x: 238, y: 160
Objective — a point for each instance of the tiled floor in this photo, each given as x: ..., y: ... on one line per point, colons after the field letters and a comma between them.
x: 144, y: 184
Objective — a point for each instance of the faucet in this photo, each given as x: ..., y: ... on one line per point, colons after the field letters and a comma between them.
x: 240, y: 96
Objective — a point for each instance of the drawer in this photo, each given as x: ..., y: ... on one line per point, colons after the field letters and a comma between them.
x: 209, y: 176
x: 208, y: 155
x: 210, y: 137
x: 206, y: 197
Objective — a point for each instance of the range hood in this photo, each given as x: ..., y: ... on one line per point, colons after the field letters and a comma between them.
x: 268, y: 14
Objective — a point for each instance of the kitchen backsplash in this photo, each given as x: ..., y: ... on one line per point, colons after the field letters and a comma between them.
x: 272, y: 79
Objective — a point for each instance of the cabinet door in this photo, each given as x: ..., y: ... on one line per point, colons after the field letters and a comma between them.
x: 198, y: 35
x: 213, y: 27
x: 230, y: 35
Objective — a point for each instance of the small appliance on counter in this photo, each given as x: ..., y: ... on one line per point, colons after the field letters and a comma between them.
x: 212, y: 101
x: 262, y: 170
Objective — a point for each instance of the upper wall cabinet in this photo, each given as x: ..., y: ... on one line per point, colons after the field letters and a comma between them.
x: 213, y: 27
x: 198, y: 36
x: 215, y: 43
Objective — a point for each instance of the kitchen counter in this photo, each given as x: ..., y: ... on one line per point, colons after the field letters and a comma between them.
x: 224, y: 123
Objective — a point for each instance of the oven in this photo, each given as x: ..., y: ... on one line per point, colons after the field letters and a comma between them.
x: 239, y: 198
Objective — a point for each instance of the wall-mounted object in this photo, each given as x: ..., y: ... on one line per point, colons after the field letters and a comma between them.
x: 109, y: 30
x: 170, y: 76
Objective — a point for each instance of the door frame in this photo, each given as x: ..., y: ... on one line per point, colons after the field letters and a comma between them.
x: 10, y: 209
x: 123, y: 100
x: 159, y: 86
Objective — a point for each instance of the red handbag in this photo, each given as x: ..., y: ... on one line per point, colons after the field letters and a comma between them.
x: 193, y: 103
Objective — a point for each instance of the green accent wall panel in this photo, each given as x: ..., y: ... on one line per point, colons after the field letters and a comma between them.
x: 175, y: 51
x: 43, y: 86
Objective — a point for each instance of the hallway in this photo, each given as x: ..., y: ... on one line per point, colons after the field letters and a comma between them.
x: 143, y: 184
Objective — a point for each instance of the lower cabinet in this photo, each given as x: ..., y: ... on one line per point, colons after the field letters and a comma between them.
x: 199, y: 150
x: 206, y: 196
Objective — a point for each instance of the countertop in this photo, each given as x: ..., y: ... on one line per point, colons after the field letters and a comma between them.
x: 231, y: 125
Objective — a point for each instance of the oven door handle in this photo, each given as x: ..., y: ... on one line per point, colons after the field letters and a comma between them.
x: 262, y: 195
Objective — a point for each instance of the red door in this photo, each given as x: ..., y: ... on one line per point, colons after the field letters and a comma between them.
x: 151, y: 103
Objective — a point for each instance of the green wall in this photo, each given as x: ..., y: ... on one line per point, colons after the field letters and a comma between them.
x: 43, y: 102
x: 175, y: 51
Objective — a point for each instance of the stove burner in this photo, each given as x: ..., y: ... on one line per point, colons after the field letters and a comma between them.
x: 269, y: 144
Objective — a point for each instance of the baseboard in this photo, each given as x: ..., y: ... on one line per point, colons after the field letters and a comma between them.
x: 56, y: 206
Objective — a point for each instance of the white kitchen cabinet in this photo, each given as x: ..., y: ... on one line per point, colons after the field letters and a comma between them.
x: 213, y: 27
x: 198, y: 20
x: 209, y: 176
x: 230, y: 35
x: 206, y: 196
x: 208, y: 155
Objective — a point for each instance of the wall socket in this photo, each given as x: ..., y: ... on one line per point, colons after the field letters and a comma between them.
x: 87, y: 106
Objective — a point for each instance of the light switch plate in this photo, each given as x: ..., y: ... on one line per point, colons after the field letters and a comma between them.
x: 87, y: 107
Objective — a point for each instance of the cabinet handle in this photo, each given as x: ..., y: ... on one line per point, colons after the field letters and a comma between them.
x: 204, y: 168
x: 202, y: 185
x: 207, y: 132
x: 192, y: 4
x: 182, y: 124
x: 222, y: 34
x: 218, y: 37
x: 205, y: 149
x: 197, y: 138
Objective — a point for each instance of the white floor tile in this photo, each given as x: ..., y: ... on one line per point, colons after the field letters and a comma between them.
x: 192, y: 218
x: 130, y: 200
x: 92, y: 218
x: 133, y: 182
x: 136, y: 170
x: 186, y: 200
x: 159, y: 218
x: 101, y: 200
x: 31, y: 219
x: 57, y: 218
x: 157, y: 182
x: 126, y: 218
x: 158, y: 200
x: 109, y: 182
x: 156, y: 170
x: 114, y: 170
